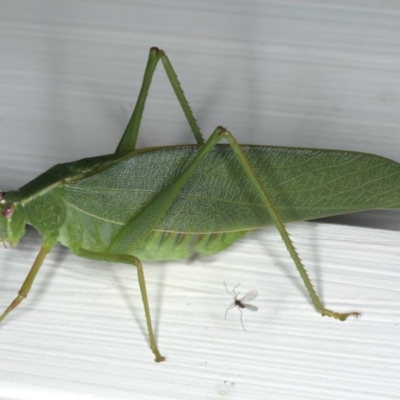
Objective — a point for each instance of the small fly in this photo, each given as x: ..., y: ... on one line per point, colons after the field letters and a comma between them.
x: 241, y: 303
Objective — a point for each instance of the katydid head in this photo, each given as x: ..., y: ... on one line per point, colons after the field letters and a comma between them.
x: 13, y: 217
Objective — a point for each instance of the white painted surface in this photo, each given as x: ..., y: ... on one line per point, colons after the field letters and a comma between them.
x: 310, y: 74
x: 82, y: 330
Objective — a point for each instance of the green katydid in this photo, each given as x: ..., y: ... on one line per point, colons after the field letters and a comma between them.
x: 172, y: 202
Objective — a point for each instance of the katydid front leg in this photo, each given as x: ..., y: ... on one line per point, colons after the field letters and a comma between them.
x: 127, y: 259
x: 26, y: 286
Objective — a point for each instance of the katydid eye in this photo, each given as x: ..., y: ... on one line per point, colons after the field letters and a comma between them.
x: 8, y: 211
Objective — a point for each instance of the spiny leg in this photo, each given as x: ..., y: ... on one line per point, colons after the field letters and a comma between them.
x: 273, y: 212
x: 128, y: 259
x: 26, y: 286
x: 129, y: 138
x: 173, y: 78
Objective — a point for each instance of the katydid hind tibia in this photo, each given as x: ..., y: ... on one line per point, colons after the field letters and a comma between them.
x: 173, y: 202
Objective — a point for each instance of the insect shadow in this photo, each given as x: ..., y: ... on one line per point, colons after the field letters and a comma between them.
x: 241, y: 303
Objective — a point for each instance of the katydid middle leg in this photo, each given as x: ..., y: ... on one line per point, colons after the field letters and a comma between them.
x: 128, y: 259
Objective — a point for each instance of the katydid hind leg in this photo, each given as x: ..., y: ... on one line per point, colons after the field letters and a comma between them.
x: 274, y: 213
x: 26, y: 286
x: 132, y: 260
x: 129, y: 138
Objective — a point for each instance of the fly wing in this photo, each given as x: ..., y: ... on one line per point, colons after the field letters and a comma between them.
x: 250, y: 307
x: 249, y: 296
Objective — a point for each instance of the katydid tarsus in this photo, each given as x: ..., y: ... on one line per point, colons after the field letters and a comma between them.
x: 172, y: 202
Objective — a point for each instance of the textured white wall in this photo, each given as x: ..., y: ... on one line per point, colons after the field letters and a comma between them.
x: 309, y: 74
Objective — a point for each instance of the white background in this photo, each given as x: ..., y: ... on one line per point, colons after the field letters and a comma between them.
x: 309, y: 74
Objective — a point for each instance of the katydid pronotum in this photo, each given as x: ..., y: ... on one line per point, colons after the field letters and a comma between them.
x: 172, y: 202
